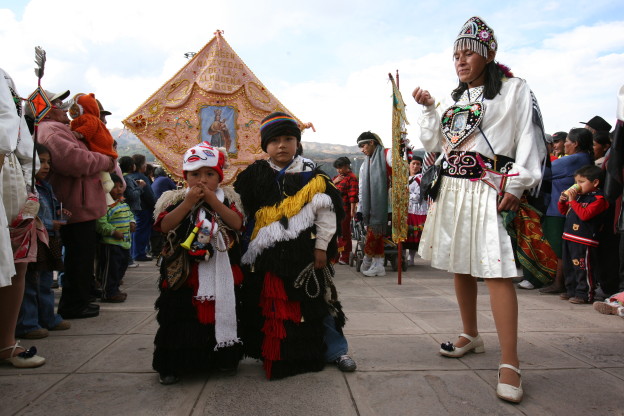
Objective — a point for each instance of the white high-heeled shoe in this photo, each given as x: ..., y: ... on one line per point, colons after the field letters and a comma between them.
x: 507, y: 391
x: 475, y: 345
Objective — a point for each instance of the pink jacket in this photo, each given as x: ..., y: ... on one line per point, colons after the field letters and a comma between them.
x: 75, y: 172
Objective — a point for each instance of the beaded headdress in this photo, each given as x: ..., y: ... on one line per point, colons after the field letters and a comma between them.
x: 477, y: 36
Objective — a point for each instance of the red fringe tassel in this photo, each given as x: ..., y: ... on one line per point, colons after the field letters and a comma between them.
x: 268, y: 365
x: 276, y: 309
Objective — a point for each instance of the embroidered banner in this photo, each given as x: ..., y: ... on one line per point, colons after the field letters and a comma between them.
x: 400, y: 196
x: 216, y: 98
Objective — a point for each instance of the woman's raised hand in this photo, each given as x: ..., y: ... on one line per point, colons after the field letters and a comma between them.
x: 422, y: 97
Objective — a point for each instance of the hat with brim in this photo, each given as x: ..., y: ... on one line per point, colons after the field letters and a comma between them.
x: 59, y: 96
x: 52, y: 96
x: 597, y: 123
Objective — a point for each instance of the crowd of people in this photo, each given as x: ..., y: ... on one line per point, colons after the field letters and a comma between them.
x: 92, y: 215
x: 246, y: 269
x: 84, y: 219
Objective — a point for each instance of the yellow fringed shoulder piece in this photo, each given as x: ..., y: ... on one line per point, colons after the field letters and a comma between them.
x: 289, y: 206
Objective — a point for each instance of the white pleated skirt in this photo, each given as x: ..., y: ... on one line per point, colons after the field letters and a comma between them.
x: 464, y: 233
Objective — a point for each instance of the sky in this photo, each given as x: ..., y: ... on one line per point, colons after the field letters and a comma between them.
x: 326, y: 61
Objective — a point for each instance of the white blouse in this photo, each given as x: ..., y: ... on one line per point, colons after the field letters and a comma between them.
x: 508, y: 125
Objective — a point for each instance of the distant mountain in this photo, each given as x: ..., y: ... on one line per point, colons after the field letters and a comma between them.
x: 322, y: 153
x: 128, y: 144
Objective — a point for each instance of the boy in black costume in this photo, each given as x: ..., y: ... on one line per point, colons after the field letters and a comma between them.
x: 292, y: 318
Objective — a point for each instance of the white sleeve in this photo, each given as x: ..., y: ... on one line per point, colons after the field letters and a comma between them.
x: 24, y: 152
x: 9, y: 120
x: 325, y: 227
x: 430, y: 133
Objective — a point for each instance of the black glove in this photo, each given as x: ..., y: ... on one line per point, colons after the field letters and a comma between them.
x: 359, y: 217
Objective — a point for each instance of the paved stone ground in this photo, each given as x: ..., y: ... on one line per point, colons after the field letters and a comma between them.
x: 572, y: 359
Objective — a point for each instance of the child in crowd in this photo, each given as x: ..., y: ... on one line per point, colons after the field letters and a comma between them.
x: 416, y: 210
x: 292, y: 318
x: 199, y: 280
x: 37, y: 315
x: 132, y: 193
x: 347, y: 184
x: 86, y: 125
x: 115, y: 229
x: 582, y: 204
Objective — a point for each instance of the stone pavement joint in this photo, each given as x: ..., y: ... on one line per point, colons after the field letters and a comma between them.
x: 572, y: 360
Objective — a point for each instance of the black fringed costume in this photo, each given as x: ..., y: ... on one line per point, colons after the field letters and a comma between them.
x: 282, y: 325
x: 185, y: 341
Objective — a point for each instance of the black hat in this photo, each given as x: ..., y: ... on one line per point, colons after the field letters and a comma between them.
x: 598, y: 123
x: 278, y: 124
x: 560, y: 135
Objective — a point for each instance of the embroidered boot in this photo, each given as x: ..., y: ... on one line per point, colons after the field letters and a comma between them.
x: 377, y: 268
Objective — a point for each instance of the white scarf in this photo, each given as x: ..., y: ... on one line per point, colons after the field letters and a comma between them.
x: 216, y: 283
x: 299, y: 164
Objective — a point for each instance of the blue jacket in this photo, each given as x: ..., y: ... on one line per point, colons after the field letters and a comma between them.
x: 162, y: 184
x: 48, y: 205
x: 147, y: 199
x: 561, y: 175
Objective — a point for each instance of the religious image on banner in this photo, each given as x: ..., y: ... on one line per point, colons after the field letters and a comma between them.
x: 218, y: 127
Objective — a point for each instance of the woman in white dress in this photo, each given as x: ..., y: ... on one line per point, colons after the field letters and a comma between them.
x: 492, y: 149
x: 16, y: 149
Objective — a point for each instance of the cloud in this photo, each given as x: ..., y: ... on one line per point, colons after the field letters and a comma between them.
x: 326, y: 61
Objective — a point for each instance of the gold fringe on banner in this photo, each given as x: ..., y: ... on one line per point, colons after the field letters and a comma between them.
x: 400, y: 196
